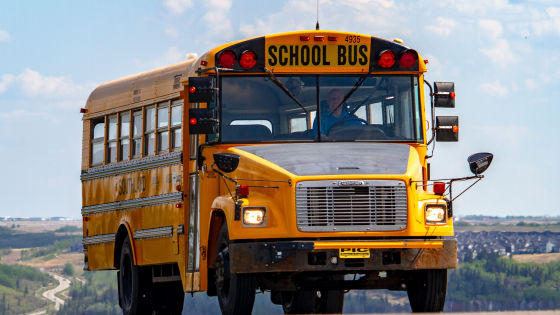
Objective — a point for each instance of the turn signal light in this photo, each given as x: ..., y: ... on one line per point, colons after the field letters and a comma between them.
x: 455, y: 129
x: 408, y: 59
x: 452, y: 94
x: 386, y: 59
x: 248, y: 59
x: 227, y: 59
x: 439, y: 188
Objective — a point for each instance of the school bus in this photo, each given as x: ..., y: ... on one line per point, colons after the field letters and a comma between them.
x: 294, y: 163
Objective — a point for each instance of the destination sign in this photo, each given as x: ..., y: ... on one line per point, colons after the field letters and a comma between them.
x: 286, y: 54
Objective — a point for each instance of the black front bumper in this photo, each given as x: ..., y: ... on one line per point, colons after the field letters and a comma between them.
x: 303, y: 256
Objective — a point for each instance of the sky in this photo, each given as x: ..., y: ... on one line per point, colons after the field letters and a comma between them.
x: 504, y: 57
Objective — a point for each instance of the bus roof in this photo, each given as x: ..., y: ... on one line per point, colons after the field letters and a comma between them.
x: 149, y: 86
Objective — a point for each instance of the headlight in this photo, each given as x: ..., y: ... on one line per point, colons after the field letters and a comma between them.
x: 436, y: 214
x: 253, y: 216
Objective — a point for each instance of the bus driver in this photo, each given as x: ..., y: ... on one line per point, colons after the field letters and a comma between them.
x: 335, y: 114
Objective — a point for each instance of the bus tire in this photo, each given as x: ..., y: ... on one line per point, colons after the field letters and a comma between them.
x: 134, y: 283
x: 169, y: 297
x: 427, y: 289
x: 236, y: 292
x: 313, y: 302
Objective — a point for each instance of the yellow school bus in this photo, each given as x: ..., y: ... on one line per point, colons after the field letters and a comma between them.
x: 294, y: 163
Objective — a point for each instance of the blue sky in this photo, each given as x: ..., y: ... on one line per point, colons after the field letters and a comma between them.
x: 503, y: 56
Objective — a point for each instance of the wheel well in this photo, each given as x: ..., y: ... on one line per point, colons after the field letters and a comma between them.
x: 218, y: 218
x: 122, y: 233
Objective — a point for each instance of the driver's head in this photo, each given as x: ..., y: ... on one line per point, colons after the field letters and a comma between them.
x: 334, y: 99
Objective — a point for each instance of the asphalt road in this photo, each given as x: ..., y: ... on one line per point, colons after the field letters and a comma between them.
x: 63, y: 284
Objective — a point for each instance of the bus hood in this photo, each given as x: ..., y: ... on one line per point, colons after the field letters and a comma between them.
x: 328, y: 158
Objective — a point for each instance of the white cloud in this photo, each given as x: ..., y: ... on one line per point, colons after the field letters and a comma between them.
x: 35, y: 84
x: 513, y: 136
x: 178, y: 6
x: 492, y: 28
x: 501, y: 54
x: 443, y: 26
x: 5, y: 36
x: 170, y: 56
x: 7, y: 79
x: 547, y: 22
x: 217, y: 18
x: 494, y: 89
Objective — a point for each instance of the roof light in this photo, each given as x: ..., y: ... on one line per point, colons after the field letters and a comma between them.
x: 408, y: 58
x: 204, y: 63
x: 83, y: 110
x: 227, y: 59
x: 248, y: 59
x: 333, y: 38
x: 319, y: 38
x: 386, y: 59
x: 304, y: 38
x: 439, y: 188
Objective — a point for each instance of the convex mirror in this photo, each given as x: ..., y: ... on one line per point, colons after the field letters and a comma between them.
x: 479, y: 162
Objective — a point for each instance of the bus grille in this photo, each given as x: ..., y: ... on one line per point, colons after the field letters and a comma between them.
x: 369, y: 205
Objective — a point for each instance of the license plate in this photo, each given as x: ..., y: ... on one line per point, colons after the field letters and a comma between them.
x: 353, y: 253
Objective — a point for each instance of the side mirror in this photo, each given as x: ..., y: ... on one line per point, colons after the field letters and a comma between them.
x: 447, y: 128
x: 479, y: 162
x: 202, y: 121
x: 444, y: 94
x: 227, y: 162
x: 201, y: 90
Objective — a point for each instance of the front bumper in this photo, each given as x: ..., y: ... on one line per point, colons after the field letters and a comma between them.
x: 302, y: 256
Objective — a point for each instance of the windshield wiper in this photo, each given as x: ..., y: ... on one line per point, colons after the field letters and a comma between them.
x: 285, y: 89
x: 354, y: 88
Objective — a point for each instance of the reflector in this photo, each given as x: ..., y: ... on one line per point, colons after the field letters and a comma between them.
x: 248, y: 59
x: 227, y: 59
x: 386, y: 59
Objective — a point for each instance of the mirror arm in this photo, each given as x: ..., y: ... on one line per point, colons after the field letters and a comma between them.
x: 480, y: 177
x: 433, y: 126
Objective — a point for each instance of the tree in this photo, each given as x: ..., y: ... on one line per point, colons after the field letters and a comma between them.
x: 68, y: 269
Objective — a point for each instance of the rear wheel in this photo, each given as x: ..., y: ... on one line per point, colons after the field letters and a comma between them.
x: 134, y: 283
x: 236, y: 292
x: 427, y: 289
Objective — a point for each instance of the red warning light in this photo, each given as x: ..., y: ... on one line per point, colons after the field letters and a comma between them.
x: 192, y: 89
x: 227, y: 59
x: 386, y: 59
x: 439, y: 188
x: 192, y: 121
x: 248, y: 59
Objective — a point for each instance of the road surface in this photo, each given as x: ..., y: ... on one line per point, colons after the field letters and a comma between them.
x: 63, y: 284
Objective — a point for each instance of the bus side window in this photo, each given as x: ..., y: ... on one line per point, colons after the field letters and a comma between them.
x: 176, y: 117
x: 163, y: 127
x: 149, y: 133
x: 97, y: 141
x: 112, y: 139
x: 137, y: 134
x: 124, y: 141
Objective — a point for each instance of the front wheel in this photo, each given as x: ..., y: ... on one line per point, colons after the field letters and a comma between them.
x: 236, y: 292
x: 427, y: 289
x: 134, y: 284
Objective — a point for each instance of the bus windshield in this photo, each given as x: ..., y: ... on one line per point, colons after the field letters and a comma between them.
x: 350, y: 107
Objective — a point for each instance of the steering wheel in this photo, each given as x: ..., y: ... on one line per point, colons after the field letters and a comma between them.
x: 341, y: 122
